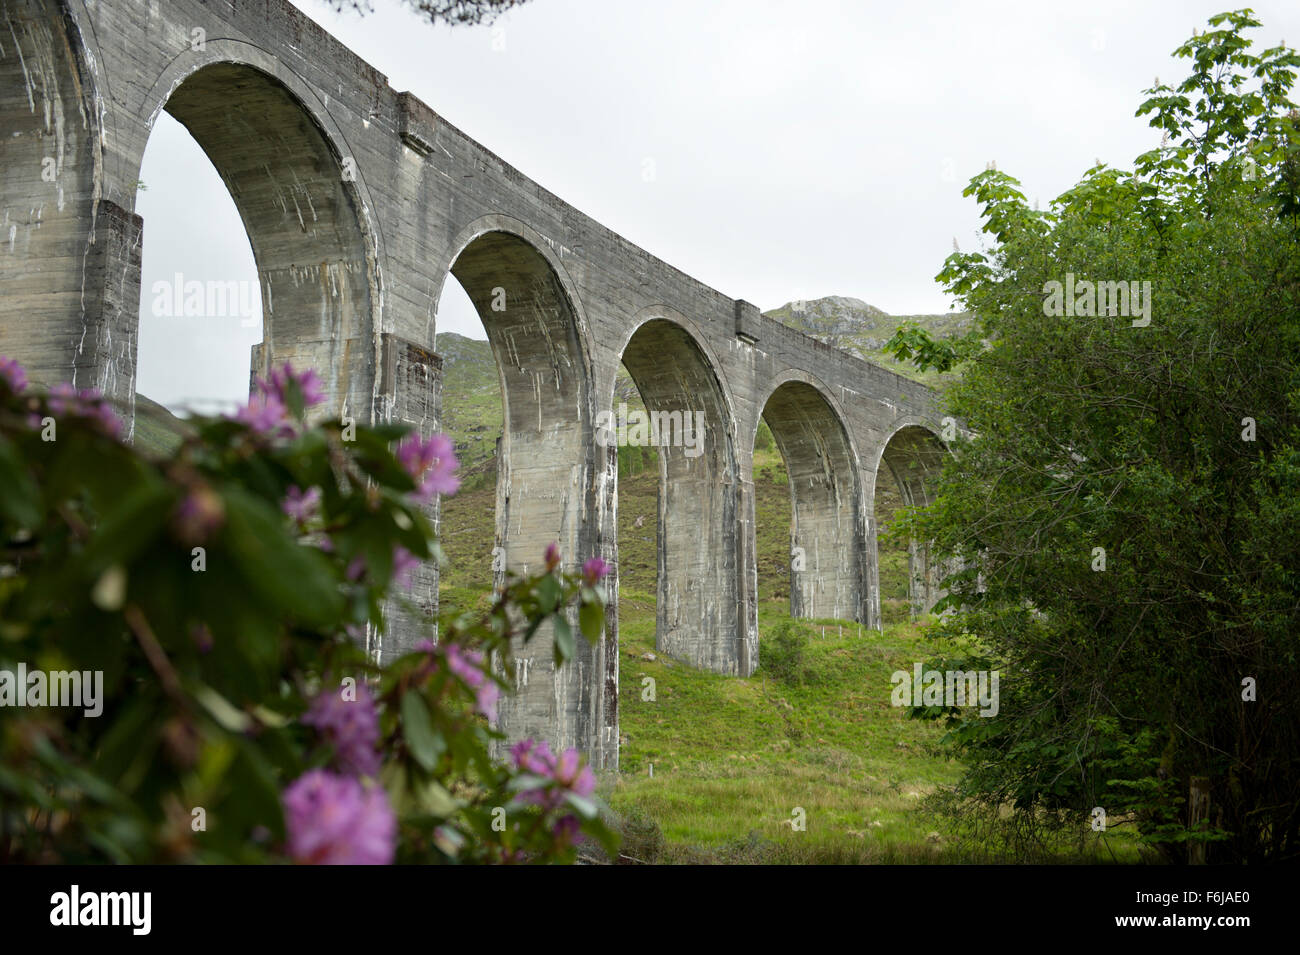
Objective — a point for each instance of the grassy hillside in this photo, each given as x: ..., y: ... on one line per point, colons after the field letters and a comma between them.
x: 157, y: 430
x: 467, y: 525
x: 471, y: 404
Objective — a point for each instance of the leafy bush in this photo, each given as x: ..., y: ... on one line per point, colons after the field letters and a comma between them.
x: 782, y: 657
x: 224, y: 602
x: 1127, y: 507
x: 641, y: 838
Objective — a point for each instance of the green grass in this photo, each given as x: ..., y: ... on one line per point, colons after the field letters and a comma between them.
x: 733, y: 758
x: 157, y: 430
x: 471, y: 406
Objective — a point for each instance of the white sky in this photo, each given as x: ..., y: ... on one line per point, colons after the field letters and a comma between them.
x: 798, y: 149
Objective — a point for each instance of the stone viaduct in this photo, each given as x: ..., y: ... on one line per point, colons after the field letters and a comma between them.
x: 359, y: 201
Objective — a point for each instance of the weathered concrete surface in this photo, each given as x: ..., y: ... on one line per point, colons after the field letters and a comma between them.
x: 358, y: 201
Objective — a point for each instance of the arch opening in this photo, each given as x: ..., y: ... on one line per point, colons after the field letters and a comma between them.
x: 544, y: 463
x: 200, y: 296
x: 826, y: 550
x: 294, y: 194
x: 907, y: 581
x: 690, y: 423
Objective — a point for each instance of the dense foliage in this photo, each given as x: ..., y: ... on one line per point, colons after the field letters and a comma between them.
x: 230, y: 598
x: 1128, y: 508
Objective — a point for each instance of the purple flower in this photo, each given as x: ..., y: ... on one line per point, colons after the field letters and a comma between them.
x: 12, y: 374
x: 432, y: 464
x: 334, y: 820
x: 108, y: 422
x: 351, y: 726
x: 486, y: 698
x: 301, y: 505
x: 531, y: 756
x: 567, y: 829
x: 404, y: 564
x: 594, y: 570
x: 63, y: 398
x: 468, y: 666
x: 199, y: 514
x: 283, y: 379
x: 566, y: 773
x: 552, y: 556
x: 572, y: 775
x: 87, y: 403
x: 266, y: 415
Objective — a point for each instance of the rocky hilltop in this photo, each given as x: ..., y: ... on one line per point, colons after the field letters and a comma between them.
x: 862, y: 329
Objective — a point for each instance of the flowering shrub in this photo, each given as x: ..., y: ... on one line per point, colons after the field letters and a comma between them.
x: 224, y: 596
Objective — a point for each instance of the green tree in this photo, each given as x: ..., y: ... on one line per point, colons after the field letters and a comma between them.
x: 1127, y: 511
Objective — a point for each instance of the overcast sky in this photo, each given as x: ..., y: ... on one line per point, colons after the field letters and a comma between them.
x: 772, y: 150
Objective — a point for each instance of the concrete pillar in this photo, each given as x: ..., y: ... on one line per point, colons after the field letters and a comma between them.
x: 65, y: 313
x: 747, y: 577
x: 105, y: 358
x: 410, y: 390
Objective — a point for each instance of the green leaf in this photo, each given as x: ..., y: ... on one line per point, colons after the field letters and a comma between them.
x: 127, y: 528
x: 295, y: 579
x: 425, y: 743
x: 527, y: 781
x: 432, y: 797
x: 549, y: 593
x: 591, y: 619
x: 584, y: 807
x: 565, y: 647
x: 20, y: 498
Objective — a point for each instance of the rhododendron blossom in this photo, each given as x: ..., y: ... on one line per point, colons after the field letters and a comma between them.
x: 351, y: 726
x: 335, y: 820
x: 431, y: 462
x: 594, y: 570
x: 12, y: 374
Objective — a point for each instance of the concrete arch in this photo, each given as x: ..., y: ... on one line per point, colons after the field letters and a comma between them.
x: 56, y: 238
x: 699, y: 617
x: 912, y: 454
x: 530, y: 314
x: 549, y: 470
x: 798, y: 375
x: 509, y: 225
x: 300, y: 195
x: 717, y: 366
x: 828, y: 528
